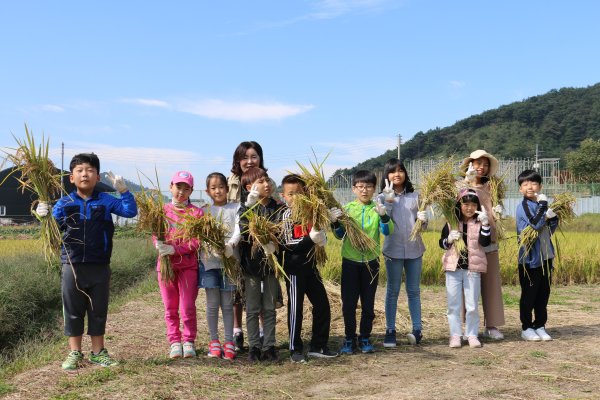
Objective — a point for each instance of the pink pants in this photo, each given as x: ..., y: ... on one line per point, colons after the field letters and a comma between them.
x: 181, y: 294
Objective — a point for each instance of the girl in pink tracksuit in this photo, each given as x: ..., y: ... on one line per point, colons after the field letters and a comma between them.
x: 463, y: 272
x: 182, y: 293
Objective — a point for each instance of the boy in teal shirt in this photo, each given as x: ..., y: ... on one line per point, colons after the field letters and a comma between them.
x: 360, y: 271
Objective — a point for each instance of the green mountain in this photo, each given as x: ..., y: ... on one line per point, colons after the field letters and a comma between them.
x: 558, y: 121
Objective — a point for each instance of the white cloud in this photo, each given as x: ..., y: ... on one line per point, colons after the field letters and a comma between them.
x: 48, y: 107
x: 244, y: 112
x: 147, y: 102
x: 457, y: 83
x: 232, y: 111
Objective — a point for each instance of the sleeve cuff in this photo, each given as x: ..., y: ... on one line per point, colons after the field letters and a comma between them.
x: 384, y: 219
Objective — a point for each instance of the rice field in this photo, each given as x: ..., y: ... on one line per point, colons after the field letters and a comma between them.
x: 579, y: 262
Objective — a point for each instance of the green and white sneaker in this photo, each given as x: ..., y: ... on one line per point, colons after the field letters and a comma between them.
x: 73, y: 359
x: 103, y: 359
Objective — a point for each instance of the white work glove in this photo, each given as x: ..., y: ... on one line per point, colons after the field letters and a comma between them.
x: 228, y: 250
x: 471, y: 173
x: 117, y: 181
x: 550, y: 214
x: 483, y: 216
x: 453, y: 237
x: 164, y: 249
x: 318, y: 237
x: 252, y: 196
x: 379, y: 208
x: 422, y: 215
x: 498, y: 209
x: 541, y: 197
x: 269, y: 248
x: 388, y: 192
x: 42, y: 209
x: 334, y: 214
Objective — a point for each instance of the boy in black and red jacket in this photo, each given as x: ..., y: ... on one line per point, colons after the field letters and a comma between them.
x: 296, y: 255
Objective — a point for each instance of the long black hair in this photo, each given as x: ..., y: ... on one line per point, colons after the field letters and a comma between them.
x: 389, y: 167
x: 239, y: 154
x: 469, y: 197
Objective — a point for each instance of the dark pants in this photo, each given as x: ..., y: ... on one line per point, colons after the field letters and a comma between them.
x: 312, y: 286
x: 359, y: 281
x: 94, y: 281
x: 535, y: 292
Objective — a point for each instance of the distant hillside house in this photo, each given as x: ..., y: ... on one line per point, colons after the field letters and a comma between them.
x: 15, y: 206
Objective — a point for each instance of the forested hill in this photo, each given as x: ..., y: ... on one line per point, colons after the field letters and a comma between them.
x: 558, y: 121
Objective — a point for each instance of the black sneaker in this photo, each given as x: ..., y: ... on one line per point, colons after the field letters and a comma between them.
x: 271, y: 355
x: 297, y: 356
x: 254, y: 356
x: 415, y: 337
x: 238, y: 341
x: 390, y: 338
x: 323, y: 352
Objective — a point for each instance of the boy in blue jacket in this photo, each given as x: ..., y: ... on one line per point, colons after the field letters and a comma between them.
x: 85, y: 217
x: 535, y: 264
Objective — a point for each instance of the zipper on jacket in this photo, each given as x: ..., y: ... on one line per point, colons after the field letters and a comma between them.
x: 84, y: 218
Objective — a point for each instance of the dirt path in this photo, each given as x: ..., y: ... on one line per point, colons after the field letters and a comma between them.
x: 567, y: 367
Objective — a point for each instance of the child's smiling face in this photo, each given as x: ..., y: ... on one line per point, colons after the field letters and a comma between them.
x: 529, y: 189
x: 468, y: 209
x: 397, y: 177
x: 217, y: 190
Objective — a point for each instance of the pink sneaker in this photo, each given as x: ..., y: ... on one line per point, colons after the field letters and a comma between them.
x: 474, y: 342
x: 455, y: 341
x: 214, y: 349
x: 229, y: 351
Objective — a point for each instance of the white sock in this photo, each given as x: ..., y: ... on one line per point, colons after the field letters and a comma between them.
x: 261, y: 332
x: 236, y: 330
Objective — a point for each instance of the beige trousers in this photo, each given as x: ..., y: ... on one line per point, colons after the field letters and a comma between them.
x: 491, y: 293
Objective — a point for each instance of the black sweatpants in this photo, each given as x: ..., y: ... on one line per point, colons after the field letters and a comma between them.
x: 535, y: 293
x: 94, y: 280
x: 359, y: 281
x: 312, y: 286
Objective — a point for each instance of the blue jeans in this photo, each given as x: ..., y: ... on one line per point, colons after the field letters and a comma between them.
x: 214, y: 279
x: 412, y: 268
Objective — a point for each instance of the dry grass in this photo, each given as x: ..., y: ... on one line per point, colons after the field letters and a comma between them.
x: 40, y: 177
x: 498, y: 190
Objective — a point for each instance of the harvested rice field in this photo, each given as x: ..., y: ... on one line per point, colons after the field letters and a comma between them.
x: 566, y: 368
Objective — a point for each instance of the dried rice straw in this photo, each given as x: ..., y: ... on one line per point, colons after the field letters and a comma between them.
x: 262, y: 231
x: 39, y: 176
x: 152, y: 219
x: 212, y: 235
x: 498, y: 191
x: 311, y: 208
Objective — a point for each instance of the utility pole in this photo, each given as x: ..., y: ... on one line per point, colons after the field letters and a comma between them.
x: 62, y: 169
x: 399, y: 144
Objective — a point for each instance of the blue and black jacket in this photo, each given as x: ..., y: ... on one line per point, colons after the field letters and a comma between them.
x: 88, y: 224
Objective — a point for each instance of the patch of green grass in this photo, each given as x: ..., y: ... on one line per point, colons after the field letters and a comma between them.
x: 587, y: 308
x: 537, y: 353
x: 510, y: 300
x: 5, y: 388
x: 68, y: 396
x: 91, y: 379
x: 480, y: 362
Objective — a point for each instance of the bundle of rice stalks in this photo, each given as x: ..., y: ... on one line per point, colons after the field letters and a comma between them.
x: 439, y: 191
x: 212, y: 235
x: 39, y: 176
x: 564, y: 207
x: 311, y: 208
x: 152, y: 219
x: 498, y: 191
x: 262, y: 231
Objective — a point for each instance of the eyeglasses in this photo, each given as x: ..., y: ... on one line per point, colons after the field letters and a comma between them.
x: 364, y: 188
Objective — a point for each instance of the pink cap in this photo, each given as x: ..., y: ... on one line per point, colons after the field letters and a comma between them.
x: 183, y: 176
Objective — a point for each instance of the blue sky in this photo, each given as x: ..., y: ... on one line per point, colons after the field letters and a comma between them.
x: 179, y: 84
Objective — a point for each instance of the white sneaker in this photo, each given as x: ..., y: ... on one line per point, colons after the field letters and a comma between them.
x: 530, y: 334
x: 493, y: 333
x: 541, y: 332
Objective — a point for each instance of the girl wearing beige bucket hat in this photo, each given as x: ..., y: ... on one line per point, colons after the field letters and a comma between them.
x: 478, y: 167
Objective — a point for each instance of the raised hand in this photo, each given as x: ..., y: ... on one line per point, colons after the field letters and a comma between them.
x: 388, y: 192
x: 379, y: 208
x: 117, y: 181
x: 252, y: 196
x: 471, y: 173
x: 482, y: 216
